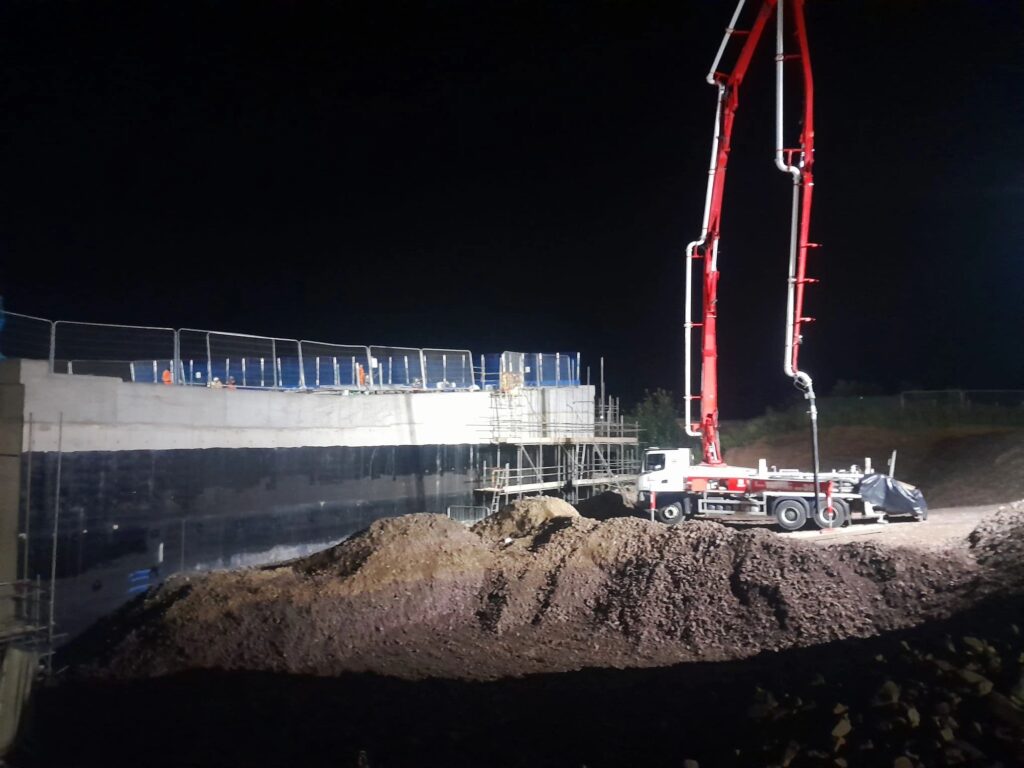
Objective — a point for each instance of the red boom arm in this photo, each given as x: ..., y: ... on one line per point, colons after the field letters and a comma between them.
x: 706, y: 247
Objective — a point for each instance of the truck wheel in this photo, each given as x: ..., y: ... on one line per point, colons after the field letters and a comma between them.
x: 790, y: 513
x: 671, y: 514
x: 839, y: 516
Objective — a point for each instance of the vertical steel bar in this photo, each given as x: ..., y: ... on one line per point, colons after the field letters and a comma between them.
x: 273, y: 361
x: 28, y: 500
x: 53, y: 346
x: 177, y: 359
x: 209, y: 362
x: 302, y: 368
x: 423, y: 370
x: 37, y: 606
x: 519, y: 469
x: 56, y: 531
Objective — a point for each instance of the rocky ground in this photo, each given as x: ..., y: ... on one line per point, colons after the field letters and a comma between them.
x: 543, y: 638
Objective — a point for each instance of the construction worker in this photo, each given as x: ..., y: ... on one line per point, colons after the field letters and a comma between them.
x: 166, y: 376
x: 216, y: 383
x: 231, y: 382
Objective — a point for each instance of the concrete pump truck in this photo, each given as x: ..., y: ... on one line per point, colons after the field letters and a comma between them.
x: 671, y: 485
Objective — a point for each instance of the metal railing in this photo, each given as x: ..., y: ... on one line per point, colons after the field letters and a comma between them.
x: 206, y: 358
x: 602, y: 472
x: 25, y: 616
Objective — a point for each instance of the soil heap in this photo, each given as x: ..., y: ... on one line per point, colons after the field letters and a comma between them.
x: 537, y: 588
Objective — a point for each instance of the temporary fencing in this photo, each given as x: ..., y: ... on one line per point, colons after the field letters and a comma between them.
x: 448, y: 368
x: 205, y: 358
x: 25, y: 336
x: 334, y: 366
x: 531, y: 369
x: 400, y: 367
x: 132, y: 353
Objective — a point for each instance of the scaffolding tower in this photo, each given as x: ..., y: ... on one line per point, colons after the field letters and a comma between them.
x: 573, y: 454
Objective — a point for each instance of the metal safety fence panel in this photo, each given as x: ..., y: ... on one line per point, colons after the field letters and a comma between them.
x: 488, y: 371
x: 197, y: 357
x: 143, y: 354
x: 555, y: 369
x: 335, y: 366
x: 218, y: 359
x: 25, y: 336
x: 397, y: 367
x: 537, y: 369
x: 448, y: 368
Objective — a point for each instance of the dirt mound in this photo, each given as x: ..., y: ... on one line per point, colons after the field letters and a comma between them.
x: 524, y: 517
x: 411, y: 547
x: 538, y: 588
x: 998, y: 541
x: 323, y: 614
x: 606, y: 506
x: 706, y: 591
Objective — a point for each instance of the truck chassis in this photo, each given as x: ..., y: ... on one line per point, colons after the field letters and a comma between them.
x: 674, y: 490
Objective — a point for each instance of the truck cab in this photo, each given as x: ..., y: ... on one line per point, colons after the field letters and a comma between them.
x: 664, y: 472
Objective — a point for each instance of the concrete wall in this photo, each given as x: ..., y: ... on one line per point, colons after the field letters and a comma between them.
x: 107, y: 414
x: 12, y: 400
x: 157, y: 479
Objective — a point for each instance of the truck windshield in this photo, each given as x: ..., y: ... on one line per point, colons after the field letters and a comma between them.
x: 654, y: 461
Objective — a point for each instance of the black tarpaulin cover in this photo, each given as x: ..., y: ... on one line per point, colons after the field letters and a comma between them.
x: 892, y: 495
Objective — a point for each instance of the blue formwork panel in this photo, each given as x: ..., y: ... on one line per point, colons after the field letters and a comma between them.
x: 289, y: 374
x: 491, y: 374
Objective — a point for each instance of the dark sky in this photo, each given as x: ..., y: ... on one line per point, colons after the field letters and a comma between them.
x: 517, y: 175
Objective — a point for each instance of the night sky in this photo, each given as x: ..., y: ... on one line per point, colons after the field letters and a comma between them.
x: 517, y: 175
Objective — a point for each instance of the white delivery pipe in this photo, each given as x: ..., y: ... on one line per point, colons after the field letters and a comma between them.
x: 692, y: 247
x: 725, y: 41
x: 800, y: 378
